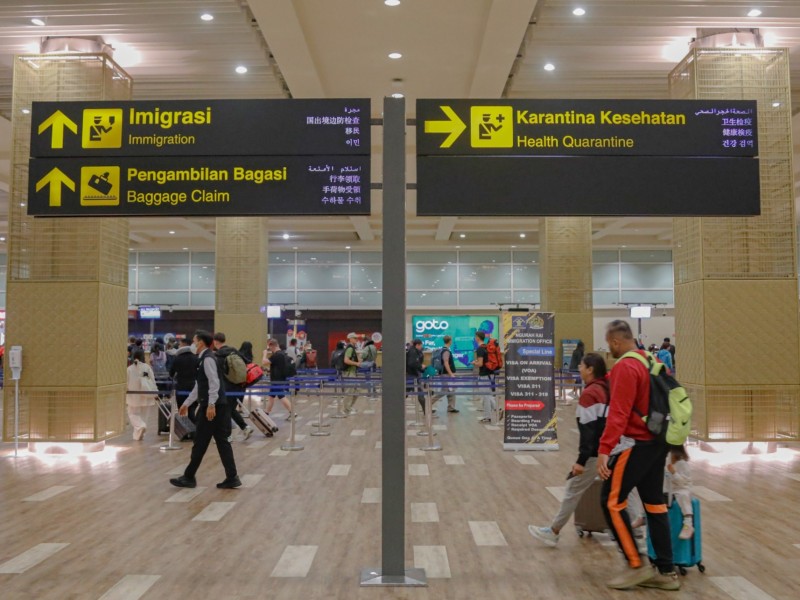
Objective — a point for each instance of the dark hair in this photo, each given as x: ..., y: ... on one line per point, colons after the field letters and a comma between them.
x: 447, y: 339
x: 340, y: 345
x: 293, y: 342
x: 246, y: 347
x: 187, y: 340
x: 620, y: 328
x: 204, y: 336
x: 596, y: 363
x: 678, y: 452
x: 416, y: 341
x: 580, y: 345
x: 665, y: 346
x: 219, y: 337
x: 157, y: 348
x: 666, y: 340
x: 138, y: 354
x: 481, y: 335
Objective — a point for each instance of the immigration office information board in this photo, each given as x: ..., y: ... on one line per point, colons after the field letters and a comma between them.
x: 587, y: 157
x: 530, y: 405
x: 200, y: 157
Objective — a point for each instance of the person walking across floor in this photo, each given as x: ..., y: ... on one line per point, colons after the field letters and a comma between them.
x: 213, y: 419
x: 184, y: 373
x: 278, y: 364
x: 140, y: 406
x: 591, y: 417
x: 351, y: 364
x: 234, y: 391
x: 414, y: 369
x: 448, y: 369
x: 630, y: 457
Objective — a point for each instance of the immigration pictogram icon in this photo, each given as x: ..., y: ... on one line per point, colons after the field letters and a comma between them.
x: 100, y: 186
x: 491, y: 127
x: 102, y: 128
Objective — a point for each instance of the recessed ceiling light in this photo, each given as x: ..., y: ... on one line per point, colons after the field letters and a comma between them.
x: 171, y: 232
x: 549, y: 67
x: 776, y: 104
x: 522, y: 235
x: 513, y: 246
x: 2, y: 238
x: 391, y: 2
x: 207, y: 17
x: 458, y: 246
x: 286, y: 236
x: 754, y: 13
x: 347, y: 247
x: 185, y: 248
x: 579, y: 12
x: 397, y: 95
x: 38, y: 22
x: 395, y: 55
x: 26, y: 111
x: 463, y: 235
x: 294, y: 247
x: 241, y: 69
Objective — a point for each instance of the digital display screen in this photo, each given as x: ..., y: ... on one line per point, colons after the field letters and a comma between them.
x: 641, y: 312
x: 273, y: 311
x: 149, y: 312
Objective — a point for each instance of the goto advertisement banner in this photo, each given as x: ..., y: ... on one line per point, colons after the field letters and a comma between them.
x: 431, y: 329
x: 530, y: 422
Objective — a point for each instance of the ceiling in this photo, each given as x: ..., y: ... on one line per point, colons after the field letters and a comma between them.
x: 339, y: 48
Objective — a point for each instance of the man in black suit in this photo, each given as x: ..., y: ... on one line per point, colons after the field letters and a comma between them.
x: 213, y: 419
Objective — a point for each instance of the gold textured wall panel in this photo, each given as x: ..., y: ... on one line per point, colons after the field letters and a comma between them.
x: 67, y: 283
x: 689, y: 313
x: 762, y: 312
x: 736, y: 293
x: 241, y: 280
x: 565, y: 253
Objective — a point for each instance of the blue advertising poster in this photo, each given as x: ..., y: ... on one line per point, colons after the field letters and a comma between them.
x: 432, y: 328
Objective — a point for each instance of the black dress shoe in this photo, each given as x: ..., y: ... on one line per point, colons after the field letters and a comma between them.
x: 183, y: 481
x: 453, y: 410
x: 229, y: 484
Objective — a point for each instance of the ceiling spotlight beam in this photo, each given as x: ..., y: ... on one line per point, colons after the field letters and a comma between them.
x: 363, y: 229
x: 139, y: 238
x: 445, y: 228
x: 613, y: 227
x: 198, y: 229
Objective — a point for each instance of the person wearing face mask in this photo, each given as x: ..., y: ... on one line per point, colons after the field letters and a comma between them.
x: 213, y: 417
x: 184, y: 372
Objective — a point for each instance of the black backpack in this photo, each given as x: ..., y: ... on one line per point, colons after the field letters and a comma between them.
x: 337, y: 359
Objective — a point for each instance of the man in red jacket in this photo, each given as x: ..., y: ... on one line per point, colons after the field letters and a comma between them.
x: 629, y: 457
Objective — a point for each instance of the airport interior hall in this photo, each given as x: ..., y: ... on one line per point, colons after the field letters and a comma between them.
x: 421, y: 300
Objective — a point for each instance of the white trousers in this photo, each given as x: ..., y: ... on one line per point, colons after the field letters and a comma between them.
x: 138, y: 416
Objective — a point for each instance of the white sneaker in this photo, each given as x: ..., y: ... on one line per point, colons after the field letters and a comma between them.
x: 544, y: 535
x: 687, y: 531
x: 246, y: 433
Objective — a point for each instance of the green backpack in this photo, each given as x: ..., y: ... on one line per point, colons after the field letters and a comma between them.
x: 669, y: 416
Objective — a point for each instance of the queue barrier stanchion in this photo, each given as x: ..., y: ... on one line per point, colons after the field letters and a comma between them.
x: 432, y: 444
x: 292, y: 445
x: 320, y: 423
x: 418, y: 419
x: 173, y: 409
x: 423, y: 391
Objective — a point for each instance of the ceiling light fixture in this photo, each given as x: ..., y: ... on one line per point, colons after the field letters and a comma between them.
x: 347, y: 247
x: 26, y: 111
x: 579, y: 12
x: 776, y: 104
x: 522, y: 235
x: 395, y: 55
x: 171, y: 232
x: 207, y: 17
x: 2, y: 238
x: 241, y: 69
x: 185, y: 248
x: 754, y: 13
x: 391, y: 2
x: 397, y: 95
x: 286, y: 236
x: 38, y: 22
x: 462, y: 235
x: 549, y: 67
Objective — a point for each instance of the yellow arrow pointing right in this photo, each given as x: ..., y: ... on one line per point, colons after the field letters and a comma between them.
x: 454, y: 126
x: 55, y: 179
x: 58, y: 121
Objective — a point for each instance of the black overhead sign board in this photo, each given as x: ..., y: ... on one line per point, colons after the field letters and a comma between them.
x: 587, y: 157
x: 200, y: 157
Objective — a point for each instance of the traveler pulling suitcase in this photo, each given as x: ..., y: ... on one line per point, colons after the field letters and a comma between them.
x: 685, y: 553
x: 261, y: 420
x: 589, y: 515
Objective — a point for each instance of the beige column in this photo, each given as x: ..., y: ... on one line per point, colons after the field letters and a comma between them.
x: 67, y: 295
x: 241, y: 275
x: 565, y: 252
x: 736, y: 293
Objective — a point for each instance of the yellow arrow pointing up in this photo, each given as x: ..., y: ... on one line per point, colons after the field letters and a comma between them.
x: 454, y: 126
x: 58, y: 120
x: 55, y: 179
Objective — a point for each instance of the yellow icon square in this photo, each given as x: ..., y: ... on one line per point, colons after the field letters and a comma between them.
x: 491, y: 127
x: 102, y: 128
x: 100, y: 186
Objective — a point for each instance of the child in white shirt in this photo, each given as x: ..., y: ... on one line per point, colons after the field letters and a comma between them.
x: 678, y: 485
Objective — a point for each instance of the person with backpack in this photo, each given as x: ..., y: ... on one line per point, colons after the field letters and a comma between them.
x: 630, y: 456
x: 488, y: 360
x: 234, y: 370
x: 591, y: 417
x: 444, y: 363
x: 351, y: 363
x: 414, y: 368
x: 278, y: 364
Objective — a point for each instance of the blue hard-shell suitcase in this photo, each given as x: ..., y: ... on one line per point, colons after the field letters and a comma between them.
x: 685, y: 553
